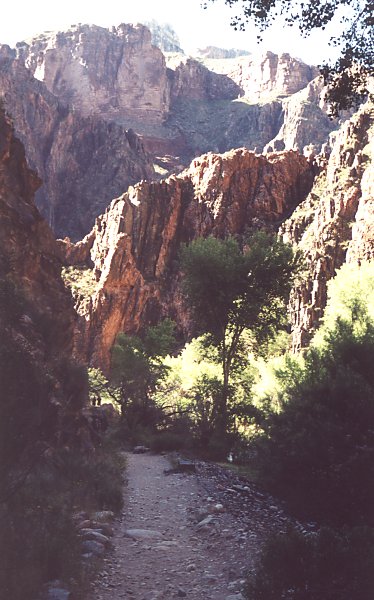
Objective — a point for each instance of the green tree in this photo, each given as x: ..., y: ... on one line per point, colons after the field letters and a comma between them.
x: 231, y: 292
x: 137, y: 367
x: 348, y: 77
x: 318, y: 451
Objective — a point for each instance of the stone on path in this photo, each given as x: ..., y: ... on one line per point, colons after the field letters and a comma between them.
x: 205, y: 521
x: 92, y: 547
x: 142, y: 534
x: 103, y: 516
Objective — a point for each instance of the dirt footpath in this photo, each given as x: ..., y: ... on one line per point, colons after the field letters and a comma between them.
x: 188, y: 536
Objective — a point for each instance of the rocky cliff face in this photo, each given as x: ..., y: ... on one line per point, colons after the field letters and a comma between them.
x: 29, y: 254
x: 134, y: 246
x: 193, y: 81
x: 272, y: 75
x: 115, y: 74
x: 75, y: 94
x: 336, y: 221
x: 164, y: 37
x: 83, y: 161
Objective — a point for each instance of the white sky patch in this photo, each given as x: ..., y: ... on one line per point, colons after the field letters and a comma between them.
x: 195, y: 26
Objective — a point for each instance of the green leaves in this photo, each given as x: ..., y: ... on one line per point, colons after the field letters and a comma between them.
x: 214, y: 278
x: 319, y: 450
x: 230, y: 290
x: 238, y: 299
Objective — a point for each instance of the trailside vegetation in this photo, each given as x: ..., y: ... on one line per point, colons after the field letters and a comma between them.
x: 316, y: 451
x: 238, y: 298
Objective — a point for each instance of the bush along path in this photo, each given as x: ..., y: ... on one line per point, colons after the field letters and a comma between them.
x: 185, y: 535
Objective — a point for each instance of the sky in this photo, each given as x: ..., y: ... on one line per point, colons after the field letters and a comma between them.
x: 195, y: 26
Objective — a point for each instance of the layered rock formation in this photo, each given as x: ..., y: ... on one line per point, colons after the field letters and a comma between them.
x: 193, y: 81
x: 336, y: 221
x: 115, y: 73
x: 74, y: 95
x: 130, y: 258
x: 134, y: 246
x: 83, y: 161
x: 272, y: 75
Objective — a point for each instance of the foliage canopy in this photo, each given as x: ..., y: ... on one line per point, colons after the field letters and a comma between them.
x: 319, y: 450
x: 233, y: 293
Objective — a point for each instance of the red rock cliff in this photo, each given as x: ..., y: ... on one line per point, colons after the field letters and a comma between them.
x: 134, y: 245
x: 336, y: 221
x: 29, y: 253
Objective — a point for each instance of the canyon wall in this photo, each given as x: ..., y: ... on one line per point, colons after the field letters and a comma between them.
x: 113, y: 73
x: 30, y: 258
x: 335, y: 223
x: 83, y: 161
x: 130, y: 259
x: 97, y: 109
x: 131, y: 256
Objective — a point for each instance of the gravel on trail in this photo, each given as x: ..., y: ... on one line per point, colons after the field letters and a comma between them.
x: 182, y: 535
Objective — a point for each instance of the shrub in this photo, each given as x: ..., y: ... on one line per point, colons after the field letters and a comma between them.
x: 319, y: 450
x: 329, y: 565
x: 37, y: 538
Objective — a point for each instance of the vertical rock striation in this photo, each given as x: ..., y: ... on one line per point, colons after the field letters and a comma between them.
x: 335, y: 222
x: 30, y: 257
x: 134, y: 245
x: 111, y: 73
x: 82, y: 161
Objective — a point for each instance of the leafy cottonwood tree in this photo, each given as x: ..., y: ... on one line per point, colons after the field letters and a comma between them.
x: 231, y: 291
x: 347, y: 78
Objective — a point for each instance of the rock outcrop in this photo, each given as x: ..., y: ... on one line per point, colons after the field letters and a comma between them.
x: 272, y: 75
x: 83, y: 161
x: 335, y: 223
x: 164, y: 37
x: 116, y: 74
x: 193, y: 81
x: 133, y: 248
x: 98, y: 108
x: 30, y: 257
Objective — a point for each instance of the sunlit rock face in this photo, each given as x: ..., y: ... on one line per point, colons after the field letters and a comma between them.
x: 272, y: 75
x: 75, y: 95
x: 335, y: 224
x: 306, y: 124
x: 100, y: 72
x: 134, y: 245
x: 29, y: 255
x: 82, y: 161
x: 193, y: 81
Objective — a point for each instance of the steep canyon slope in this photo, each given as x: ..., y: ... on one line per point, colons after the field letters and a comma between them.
x: 132, y: 252
x: 130, y: 257
x: 82, y: 161
x: 30, y: 257
x: 97, y: 108
x: 36, y: 324
x: 335, y: 224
